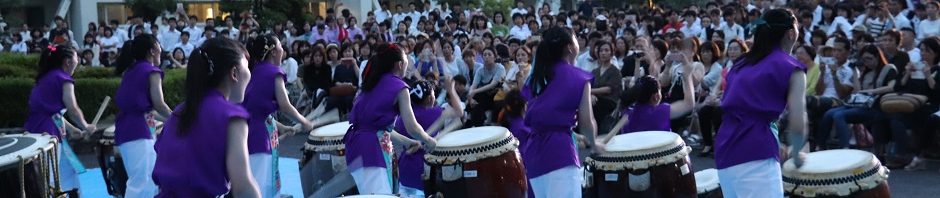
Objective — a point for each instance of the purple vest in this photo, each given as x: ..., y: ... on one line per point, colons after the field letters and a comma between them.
x: 755, y: 96
x: 260, y: 103
x: 45, y: 101
x: 644, y: 117
x: 194, y: 165
x: 373, y: 111
x: 133, y: 101
x: 411, y: 166
x: 551, y: 115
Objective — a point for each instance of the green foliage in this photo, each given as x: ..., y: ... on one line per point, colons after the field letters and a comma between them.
x: 273, y: 11
x: 17, y: 78
x: 150, y: 9
x: 16, y: 91
x: 492, y: 6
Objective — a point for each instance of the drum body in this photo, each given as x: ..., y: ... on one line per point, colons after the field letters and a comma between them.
x: 27, y: 164
x: 837, y: 173
x: 324, y: 158
x: 707, y: 184
x: 112, y: 164
x: 475, y: 162
x: 641, y: 164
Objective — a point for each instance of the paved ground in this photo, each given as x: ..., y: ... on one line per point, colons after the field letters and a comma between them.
x: 903, y: 183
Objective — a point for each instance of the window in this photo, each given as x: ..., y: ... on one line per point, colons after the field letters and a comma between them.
x: 113, y: 11
x: 202, y: 11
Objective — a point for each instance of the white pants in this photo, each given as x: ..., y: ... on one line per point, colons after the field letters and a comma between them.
x: 68, y: 178
x: 564, y: 182
x: 139, y: 158
x: 408, y: 192
x: 759, y: 178
x: 372, y: 180
x: 263, y: 173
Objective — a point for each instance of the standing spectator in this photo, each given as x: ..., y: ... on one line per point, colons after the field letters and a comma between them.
x: 170, y: 37
x: 519, y: 30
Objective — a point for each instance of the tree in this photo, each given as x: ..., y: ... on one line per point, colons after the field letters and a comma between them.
x: 150, y: 9
x: 272, y: 11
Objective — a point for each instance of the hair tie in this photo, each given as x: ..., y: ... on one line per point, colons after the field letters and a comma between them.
x: 51, y: 48
x: 205, y: 55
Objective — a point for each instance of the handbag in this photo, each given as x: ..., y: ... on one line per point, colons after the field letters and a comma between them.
x: 863, y: 137
x: 860, y: 100
x: 902, y: 102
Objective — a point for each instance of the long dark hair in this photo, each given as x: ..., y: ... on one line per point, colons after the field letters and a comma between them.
x: 879, y: 57
x: 645, y: 88
x: 137, y: 49
x: 514, y: 108
x: 769, y: 34
x: 382, y: 61
x: 209, y: 65
x: 548, y: 53
x: 260, y: 48
x: 52, y: 57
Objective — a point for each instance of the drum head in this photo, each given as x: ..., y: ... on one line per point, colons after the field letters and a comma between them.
x: 109, y: 132
x: 832, y: 161
x: 472, y: 136
x: 14, y: 146
x: 642, y: 141
x: 706, y: 180
x: 331, y: 130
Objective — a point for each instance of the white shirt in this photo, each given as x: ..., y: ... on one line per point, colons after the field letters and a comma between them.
x: 515, y: 11
x: 585, y: 62
x: 381, y: 15
x: 692, y: 31
x: 168, y: 39
x: 928, y: 28
x: 187, y: 48
x: 290, y: 69
x: 914, y: 55
x: 733, y: 32
x: 840, y: 23
x: 194, y: 32
x: 520, y: 32
x: 19, y: 47
x: 110, y: 41
x: 845, y: 78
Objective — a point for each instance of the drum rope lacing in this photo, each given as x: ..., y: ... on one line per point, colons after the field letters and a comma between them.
x: 834, y: 181
x: 327, y: 144
x: 615, y: 161
x: 471, y: 154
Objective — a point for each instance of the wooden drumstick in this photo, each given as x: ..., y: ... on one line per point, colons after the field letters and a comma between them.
x: 104, y: 104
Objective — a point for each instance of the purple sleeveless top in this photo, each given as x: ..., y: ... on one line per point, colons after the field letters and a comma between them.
x: 260, y: 103
x: 551, y: 115
x: 647, y: 118
x: 755, y: 96
x: 45, y: 101
x: 194, y: 165
x: 133, y: 101
x: 411, y: 166
x: 373, y: 111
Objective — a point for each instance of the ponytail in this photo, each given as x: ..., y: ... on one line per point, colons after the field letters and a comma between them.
x: 548, y: 53
x: 52, y: 57
x: 134, y: 50
x: 381, y: 63
x: 260, y: 48
x: 208, y: 67
x: 768, y: 33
